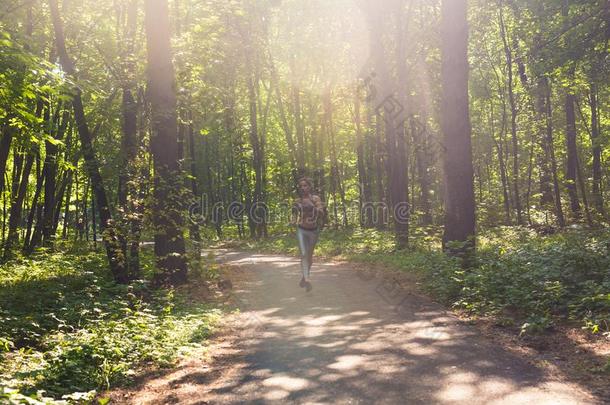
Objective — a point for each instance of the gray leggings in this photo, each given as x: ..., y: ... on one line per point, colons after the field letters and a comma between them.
x: 307, y: 241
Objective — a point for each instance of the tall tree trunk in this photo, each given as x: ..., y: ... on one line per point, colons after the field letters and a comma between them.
x: 113, y: 248
x: 167, y: 216
x: 319, y: 175
x: 66, y: 185
x: 127, y: 193
x: 5, y: 148
x: 194, y: 226
x: 255, y: 210
x: 381, y: 208
x: 16, y: 176
x: 422, y: 165
x: 34, y: 236
x: 93, y: 221
x: 572, y: 158
x: 583, y: 191
x: 67, y: 213
x: 78, y: 222
x: 364, y: 185
x: 60, y: 123
x: 298, y: 119
x: 399, y: 182
x: 17, y: 207
x: 397, y: 176
x: 292, y: 152
x: 234, y: 172
x: 85, y: 209
x: 37, y: 209
x: 34, y: 206
x: 393, y: 120
x: 530, y: 171
x: 596, y: 151
x: 546, y: 191
x: 59, y: 199
x: 498, y: 144
x: 455, y: 124
x: 334, y: 170
x: 513, y: 118
x: 551, y: 150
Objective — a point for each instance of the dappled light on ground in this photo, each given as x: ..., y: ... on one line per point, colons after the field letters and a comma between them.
x: 354, y: 340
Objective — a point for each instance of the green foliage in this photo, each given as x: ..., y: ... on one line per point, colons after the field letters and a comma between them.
x: 66, y: 327
x: 13, y: 396
x: 24, y: 77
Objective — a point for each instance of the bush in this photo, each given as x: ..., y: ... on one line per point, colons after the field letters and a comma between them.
x: 67, y: 328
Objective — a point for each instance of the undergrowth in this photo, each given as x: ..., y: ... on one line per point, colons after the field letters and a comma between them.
x: 67, y: 330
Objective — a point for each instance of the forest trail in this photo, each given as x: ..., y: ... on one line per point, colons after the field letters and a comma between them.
x: 353, y: 339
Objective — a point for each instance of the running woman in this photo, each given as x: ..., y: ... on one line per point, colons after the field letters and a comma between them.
x: 307, y: 211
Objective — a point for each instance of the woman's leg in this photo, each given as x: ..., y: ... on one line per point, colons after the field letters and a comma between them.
x: 312, y: 245
x: 307, y: 242
x: 301, y: 237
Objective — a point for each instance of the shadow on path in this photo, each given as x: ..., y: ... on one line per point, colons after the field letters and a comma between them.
x: 353, y: 340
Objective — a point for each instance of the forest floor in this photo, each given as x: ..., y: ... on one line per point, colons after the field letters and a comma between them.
x: 360, y: 336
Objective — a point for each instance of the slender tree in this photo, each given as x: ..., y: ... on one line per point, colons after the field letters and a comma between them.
x: 513, y: 114
x: 113, y: 248
x: 572, y: 157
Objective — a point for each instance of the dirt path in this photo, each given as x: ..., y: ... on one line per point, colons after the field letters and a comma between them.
x: 353, y: 339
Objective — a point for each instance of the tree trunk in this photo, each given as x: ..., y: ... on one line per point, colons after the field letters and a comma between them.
x: 93, y: 221
x: 59, y: 199
x: 37, y: 213
x: 364, y: 186
x: 34, y: 205
x: 319, y: 176
x: 530, y: 170
x: 551, y: 150
x: 583, y: 191
x: 17, y: 207
x: 455, y: 124
x: 50, y: 173
x: 194, y: 226
x: 127, y: 194
x: 399, y: 183
x: 498, y: 144
x: 5, y: 147
x: 113, y: 248
x: 255, y: 211
x: 284, y: 121
x: 167, y: 218
x: 67, y: 214
x: 571, y: 164
x: 397, y: 177
x: 334, y: 170
x: 596, y: 150
x: 546, y: 191
x: 85, y: 210
x: 16, y: 176
x: 384, y: 101
x: 300, y: 130
x: 513, y: 119
x: 422, y: 165
x: 381, y: 208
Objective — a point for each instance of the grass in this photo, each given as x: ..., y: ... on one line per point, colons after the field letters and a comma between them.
x: 67, y: 330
